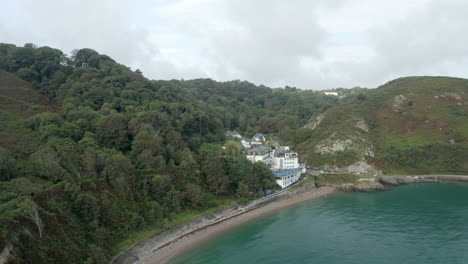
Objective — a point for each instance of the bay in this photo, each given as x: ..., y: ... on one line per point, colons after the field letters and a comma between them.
x: 417, y: 223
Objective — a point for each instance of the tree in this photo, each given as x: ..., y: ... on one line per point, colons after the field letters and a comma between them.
x: 112, y: 132
x: 193, y: 195
x: 31, y: 211
x: 214, y: 169
x: 233, y: 148
x: 118, y: 169
x: 6, y: 164
x: 147, y: 139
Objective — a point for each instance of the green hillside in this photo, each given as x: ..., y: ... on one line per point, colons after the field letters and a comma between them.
x: 106, y: 157
x: 115, y: 158
x: 18, y: 102
x: 414, y: 125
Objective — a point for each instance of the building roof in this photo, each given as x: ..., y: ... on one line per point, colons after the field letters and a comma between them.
x: 281, y: 151
x: 260, y: 150
x: 259, y: 136
x: 285, y: 173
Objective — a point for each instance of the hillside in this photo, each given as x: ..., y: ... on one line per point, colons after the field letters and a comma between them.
x: 116, y: 157
x: 409, y: 125
x: 18, y: 102
x: 102, y: 156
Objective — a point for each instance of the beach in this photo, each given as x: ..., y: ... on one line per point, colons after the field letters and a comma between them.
x: 166, y: 253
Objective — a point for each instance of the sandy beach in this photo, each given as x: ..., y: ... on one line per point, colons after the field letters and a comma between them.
x: 165, y: 254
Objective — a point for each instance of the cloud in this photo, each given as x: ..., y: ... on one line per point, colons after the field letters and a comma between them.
x: 425, y: 42
x: 309, y: 44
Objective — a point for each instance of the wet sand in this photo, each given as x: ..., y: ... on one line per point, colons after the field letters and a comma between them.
x: 166, y: 253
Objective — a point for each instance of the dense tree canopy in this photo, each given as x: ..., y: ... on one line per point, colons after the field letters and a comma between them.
x: 119, y: 152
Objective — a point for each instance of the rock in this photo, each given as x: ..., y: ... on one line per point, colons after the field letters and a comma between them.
x: 334, y: 146
x: 361, y: 167
x: 315, y: 122
x: 390, y: 180
x: 398, y: 100
x: 455, y: 96
x: 361, y: 124
x: 361, y: 187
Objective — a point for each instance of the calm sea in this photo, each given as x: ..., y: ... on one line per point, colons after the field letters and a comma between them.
x: 418, y: 223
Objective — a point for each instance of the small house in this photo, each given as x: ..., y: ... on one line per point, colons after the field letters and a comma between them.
x: 246, y: 143
x: 260, y: 153
x: 259, y: 137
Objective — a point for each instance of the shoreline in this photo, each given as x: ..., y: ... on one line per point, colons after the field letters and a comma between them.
x: 167, y: 252
x: 163, y: 248
x: 391, y: 180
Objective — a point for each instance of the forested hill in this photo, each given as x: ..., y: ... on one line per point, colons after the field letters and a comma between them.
x: 91, y: 152
x: 94, y: 156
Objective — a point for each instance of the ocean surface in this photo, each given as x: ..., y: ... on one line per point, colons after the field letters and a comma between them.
x: 417, y: 223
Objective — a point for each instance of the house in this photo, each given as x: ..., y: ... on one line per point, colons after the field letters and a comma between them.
x: 260, y: 153
x: 283, y: 158
x: 331, y: 93
x: 246, y: 143
x: 258, y: 138
x: 233, y: 134
x: 285, y: 178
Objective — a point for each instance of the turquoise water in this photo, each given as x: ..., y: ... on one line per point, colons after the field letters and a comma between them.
x: 418, y: 223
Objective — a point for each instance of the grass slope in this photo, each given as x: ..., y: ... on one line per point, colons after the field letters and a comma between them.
x: 426, y: 131
x: 19, y: 101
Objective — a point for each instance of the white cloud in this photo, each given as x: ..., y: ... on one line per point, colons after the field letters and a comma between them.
x: 309, y: 44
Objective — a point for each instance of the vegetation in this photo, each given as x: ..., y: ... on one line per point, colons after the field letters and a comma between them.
x: 92, y: 152
x: 426, y: 132
x: 94, y: 156
x: 336, y: 179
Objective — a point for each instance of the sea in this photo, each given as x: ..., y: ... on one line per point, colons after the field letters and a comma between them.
x: 415, y: 223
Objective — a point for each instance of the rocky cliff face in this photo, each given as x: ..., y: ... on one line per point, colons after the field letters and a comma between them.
x: 352, y: 138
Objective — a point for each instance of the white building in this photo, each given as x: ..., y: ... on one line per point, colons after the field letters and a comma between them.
x: 258, y: 138
x: 233, y: 134
x: 283, y: 159
x: 285, y: 178
x: 331, y: 93
x: 286, y: 167
x: 246, y: 143
x: 260, y: 153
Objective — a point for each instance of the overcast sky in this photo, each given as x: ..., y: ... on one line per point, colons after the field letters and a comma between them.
x: 310, y: 44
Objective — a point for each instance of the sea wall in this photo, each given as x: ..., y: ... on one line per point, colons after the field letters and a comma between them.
x: 361, y: 187
x: 383, y: 182
x: 397, y: 180
x: 142, y: 250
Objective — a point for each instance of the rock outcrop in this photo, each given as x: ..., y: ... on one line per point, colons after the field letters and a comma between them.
x: 361, y: 187
x: 356, y: 140
x: 315, y: 122
x: 362, y: 167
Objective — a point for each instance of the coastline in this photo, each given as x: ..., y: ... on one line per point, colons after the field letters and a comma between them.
x: 390, y: 180
x: 162, y: 248
x: 184, y: 242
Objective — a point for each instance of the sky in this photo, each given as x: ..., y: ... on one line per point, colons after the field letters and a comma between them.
x: 319, y: 44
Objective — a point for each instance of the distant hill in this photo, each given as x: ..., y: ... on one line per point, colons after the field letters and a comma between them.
x: 409, y: 125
